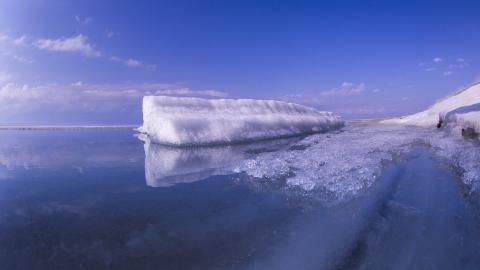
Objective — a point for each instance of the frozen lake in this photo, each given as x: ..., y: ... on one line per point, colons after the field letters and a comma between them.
x: 364, y: 197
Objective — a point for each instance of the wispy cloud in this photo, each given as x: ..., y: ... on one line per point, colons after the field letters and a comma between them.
x: 77, y: 43
x: 130, y: 62
x: 12, y: 94
x: 133, y: 63
x: 446, y: 67
x: 20, y: 41
x: 82, y: 20
x: 345, y: 89
x: 47, y: 103
x: 110, y: 33
x: 5, y: 77
x: 22, y: 59
x: 447, y: 73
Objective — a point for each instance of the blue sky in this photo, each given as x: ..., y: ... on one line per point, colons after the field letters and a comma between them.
x: 90, y: 62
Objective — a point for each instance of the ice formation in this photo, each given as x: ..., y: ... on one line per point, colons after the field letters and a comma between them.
x: 459, y: 112
x: 196, y: 121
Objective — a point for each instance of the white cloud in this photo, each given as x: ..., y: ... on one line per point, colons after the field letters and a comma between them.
x: 343, y: 93
x: 5, y: 77
x: 82, y: 20
x: 20, y: 41
x: 4, y: 37
x: 110, y: 34
x: 446, y: 70
x: 130, y: 62
x: 133, y: 63
x: 79, y: 93
x: 77, y: 83
x: 447, y: 73
x: 345, y: 89
x: 51, y: 103
x: 404, y: 98
x: 77, y: 43
x: 376, y: 90
x: 460, y: 63
x: 22, y: 59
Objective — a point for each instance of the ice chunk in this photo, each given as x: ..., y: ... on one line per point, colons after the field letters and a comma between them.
x: 196, y: 121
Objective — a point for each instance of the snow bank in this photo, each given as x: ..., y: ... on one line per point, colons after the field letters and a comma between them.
x: 196, y: 121
x: 458, y: 111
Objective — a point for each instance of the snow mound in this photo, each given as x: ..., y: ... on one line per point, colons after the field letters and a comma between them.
x: 196, y: 121
x: 460, y: 111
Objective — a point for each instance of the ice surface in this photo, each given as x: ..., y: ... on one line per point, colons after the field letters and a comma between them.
x: 195, y: 121
x: 338, y: 165
x: 458, y: 111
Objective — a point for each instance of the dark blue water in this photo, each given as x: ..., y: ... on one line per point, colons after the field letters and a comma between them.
x: 84, y: 200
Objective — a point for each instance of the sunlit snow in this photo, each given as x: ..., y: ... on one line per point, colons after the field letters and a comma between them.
x: 195, y: 121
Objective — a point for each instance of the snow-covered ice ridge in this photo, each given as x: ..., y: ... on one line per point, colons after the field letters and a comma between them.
x: 197, y: 121
x: 459, y: 111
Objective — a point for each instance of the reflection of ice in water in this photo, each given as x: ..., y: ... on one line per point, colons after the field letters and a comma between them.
x: 166, y: 166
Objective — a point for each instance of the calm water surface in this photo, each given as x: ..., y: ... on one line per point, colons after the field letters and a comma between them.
x: 106, y: 200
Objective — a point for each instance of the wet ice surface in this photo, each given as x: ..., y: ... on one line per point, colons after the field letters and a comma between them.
x: 366, y: 197
x: 339, y: 165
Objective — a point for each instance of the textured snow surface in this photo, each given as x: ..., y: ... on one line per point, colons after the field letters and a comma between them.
x: 460, y: 110
x: 196, y: 121
x: 341, y: 165
x: 338, y: 165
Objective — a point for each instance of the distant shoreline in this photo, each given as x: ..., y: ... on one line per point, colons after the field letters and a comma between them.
x: 67, y: 127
